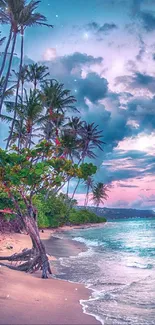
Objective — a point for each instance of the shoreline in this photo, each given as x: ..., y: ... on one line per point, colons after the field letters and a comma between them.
x: 63, y: 295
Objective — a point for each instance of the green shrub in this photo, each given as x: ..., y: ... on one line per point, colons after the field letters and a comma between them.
x: 52, y: 212
x: 77, y: 217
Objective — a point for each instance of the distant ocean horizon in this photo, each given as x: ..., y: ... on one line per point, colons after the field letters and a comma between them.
x: 119, y: 266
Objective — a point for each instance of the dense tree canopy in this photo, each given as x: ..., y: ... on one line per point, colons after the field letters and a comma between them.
x: 48, y: 144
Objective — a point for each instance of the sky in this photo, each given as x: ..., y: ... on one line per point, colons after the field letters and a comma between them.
x: 104, y: 51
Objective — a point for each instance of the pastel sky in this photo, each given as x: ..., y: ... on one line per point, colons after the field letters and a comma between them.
x: 104, y: 51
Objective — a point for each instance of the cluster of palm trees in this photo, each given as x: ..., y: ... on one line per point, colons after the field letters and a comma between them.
x: 19, y: 15
x: 40, y: 108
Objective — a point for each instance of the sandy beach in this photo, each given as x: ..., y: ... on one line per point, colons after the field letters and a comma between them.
x: 27, y: 299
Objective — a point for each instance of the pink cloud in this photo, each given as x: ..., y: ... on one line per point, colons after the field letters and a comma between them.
x: 138, y: 193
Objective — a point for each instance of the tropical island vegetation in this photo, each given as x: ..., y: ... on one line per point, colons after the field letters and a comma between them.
x: 48, y: 144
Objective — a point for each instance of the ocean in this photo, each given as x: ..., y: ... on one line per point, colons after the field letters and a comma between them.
x: 119, y: 267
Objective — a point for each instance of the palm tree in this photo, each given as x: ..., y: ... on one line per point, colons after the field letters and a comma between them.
x: 71, y: 142
x: 52, y: 126
x: 89, y: 185
x: 57, y: 101
x: 9, y: 92
x: 56, y: 98
x: 69, y: 145
x: 28, y: 115
x: 99, y: 194
x: 19, y: 15
x: 91, y: 139
x: 37, y: 73
x: 32, y: 113
x: 23, y: 77
x: 3, y: 20
x: 74, y: 125
x: 19, y: 135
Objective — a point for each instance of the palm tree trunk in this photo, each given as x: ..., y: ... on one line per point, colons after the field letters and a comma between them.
x: 30, y: 136
x: 35, y: 84
x: 18, y: 85
x: 75, y: 189
x: 21, y: 119
x: 6, y: 52
x: 68, y: 187
x: 8, y: 72
x: 86, y: 199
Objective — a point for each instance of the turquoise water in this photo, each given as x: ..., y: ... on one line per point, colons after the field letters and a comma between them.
x: 119, y: 266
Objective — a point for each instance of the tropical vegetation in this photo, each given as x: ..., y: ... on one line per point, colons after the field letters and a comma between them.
x: 48, y: 145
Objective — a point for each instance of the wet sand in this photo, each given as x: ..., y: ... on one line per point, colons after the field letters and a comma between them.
x: 27, y: 299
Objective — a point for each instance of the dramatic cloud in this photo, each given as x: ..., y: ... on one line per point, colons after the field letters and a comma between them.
x: 72, y: 64
x: 108, y: 64
x: 93, y: 87
x: 101, y: 29
x: 142, y: 110
x: 148, y: 20
x: 138, y: 81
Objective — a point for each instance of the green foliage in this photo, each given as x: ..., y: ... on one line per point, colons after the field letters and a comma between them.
x: 84, y: 216
x: 5, y: 201
x: 52, y: 212
x: 100, y: 193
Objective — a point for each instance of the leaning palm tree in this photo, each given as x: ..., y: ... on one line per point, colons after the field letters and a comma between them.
x: 19, y: 15
x: 89, y: 185
x: 99, y: 194
x: 37, y: 73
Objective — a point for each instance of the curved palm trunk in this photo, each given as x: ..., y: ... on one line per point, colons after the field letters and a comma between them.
x: 68, y: 187
x: 8, y: 72
x: 18, y: 85
x: 86, y: 199
x: 82, y: 159
x: 75, y: 189
x: 6, y: 52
